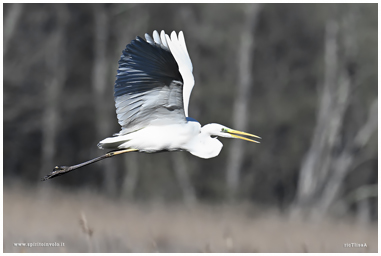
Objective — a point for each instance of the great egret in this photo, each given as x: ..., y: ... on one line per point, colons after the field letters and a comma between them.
x: 151, y: 92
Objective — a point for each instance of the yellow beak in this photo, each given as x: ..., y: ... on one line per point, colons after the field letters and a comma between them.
x: 234, y: 132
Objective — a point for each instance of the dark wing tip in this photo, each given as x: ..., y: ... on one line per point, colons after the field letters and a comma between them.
x: 142, y: 62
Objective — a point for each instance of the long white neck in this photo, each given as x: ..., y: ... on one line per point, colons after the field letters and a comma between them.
x: 204, y: 146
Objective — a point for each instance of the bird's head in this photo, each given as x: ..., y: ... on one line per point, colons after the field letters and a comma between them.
x: 214, y: 130
x: 209, y: 146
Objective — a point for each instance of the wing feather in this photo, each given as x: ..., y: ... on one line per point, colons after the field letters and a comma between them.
x: 149, y: 82
x: 163, y: 39
x: 156, y: 37
x: 180, y: 53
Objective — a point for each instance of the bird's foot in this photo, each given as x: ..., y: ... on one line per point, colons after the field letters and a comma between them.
x: 57, y: 171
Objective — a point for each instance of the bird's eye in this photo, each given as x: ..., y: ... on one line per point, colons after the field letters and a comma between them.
x: 213, y: 136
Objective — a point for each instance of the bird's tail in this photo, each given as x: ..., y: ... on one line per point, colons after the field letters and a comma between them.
x: 112, y: 143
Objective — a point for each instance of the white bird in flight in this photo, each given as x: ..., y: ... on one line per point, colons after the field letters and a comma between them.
x: 152, y: 90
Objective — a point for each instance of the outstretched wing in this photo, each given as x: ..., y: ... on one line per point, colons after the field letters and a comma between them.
x: 149, y: 85
x: 180, y: 52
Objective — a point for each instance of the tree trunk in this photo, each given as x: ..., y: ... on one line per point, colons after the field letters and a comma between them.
x: 329, y: 159
x: 313, y: 161
x: 341, y: 165
x: 101, y: 87
x: 131, y: 177
x: 56, y: 66
x: 10, y: 23
x: 180, y: 166
x: 245, y: 81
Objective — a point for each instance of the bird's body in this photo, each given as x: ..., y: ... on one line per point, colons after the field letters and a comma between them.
x: 152, y: 91
x: 172, y: 137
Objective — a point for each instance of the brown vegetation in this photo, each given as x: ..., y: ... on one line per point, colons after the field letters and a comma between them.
x: 91, y: 223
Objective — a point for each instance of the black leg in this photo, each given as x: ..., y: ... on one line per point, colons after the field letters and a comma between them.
x: 61, y: 170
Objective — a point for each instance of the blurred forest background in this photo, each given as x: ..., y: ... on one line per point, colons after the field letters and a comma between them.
x: 301, y: 76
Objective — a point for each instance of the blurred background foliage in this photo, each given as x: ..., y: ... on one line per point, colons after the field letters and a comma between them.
x: 60, y: 63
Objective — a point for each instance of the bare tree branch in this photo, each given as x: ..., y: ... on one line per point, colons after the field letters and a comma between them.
x: 308, y: 174
x: 10, y: 24
x: 328, y: 160
x: 342, y: 164
x: 245, y: 81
